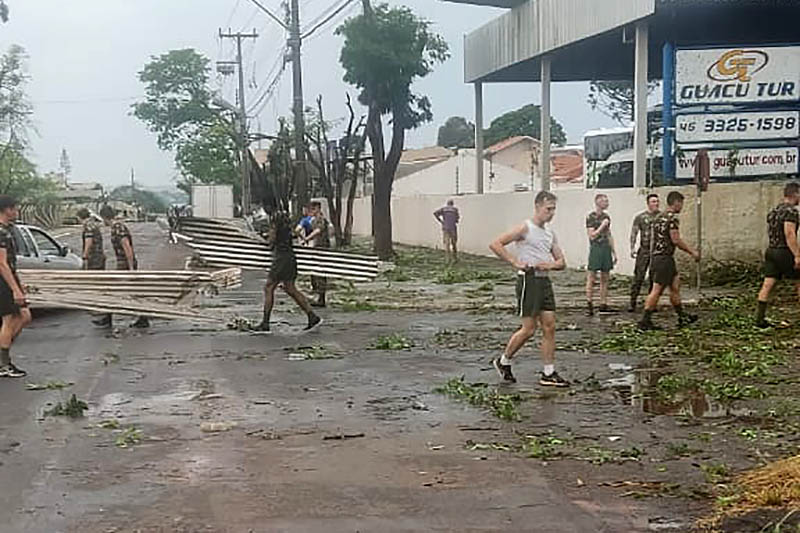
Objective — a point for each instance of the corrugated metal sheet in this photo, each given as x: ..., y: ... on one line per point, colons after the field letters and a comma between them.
x: 541, y: 26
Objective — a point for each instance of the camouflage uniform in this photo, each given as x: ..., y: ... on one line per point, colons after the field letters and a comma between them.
x: 323, y: 240
x: 95, y: 259
x: 120, y: 232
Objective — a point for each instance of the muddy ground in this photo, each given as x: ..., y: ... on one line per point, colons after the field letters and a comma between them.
x: 390, y: 417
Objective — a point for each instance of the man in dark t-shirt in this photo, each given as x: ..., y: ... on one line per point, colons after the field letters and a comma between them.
x: 283, y: 272
x: 13, y: 302
x: 666, y: 238
x: 449, y: 217
x: 782, y: 258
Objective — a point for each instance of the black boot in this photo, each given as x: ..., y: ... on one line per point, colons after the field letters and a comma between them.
x: 141, y: 323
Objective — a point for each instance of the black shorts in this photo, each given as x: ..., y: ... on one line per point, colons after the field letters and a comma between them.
x: 534, y: 295
x: 779, y: 264
x: 7, y: 304
x: 283, y: 268
x: 663, y: 270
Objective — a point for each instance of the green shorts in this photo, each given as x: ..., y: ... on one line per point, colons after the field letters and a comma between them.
x: 663, y: 270
x: 534, y: 295
x: 600, y: 259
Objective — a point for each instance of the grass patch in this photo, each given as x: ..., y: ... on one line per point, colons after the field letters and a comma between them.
x: 503, y: 406
x: 539, y: 447
x: 129, y: 437
x: 452, y: 276
x: 48, y: 385
x: 394, y: 341
x: 355, y: 305
x: 73, y: 408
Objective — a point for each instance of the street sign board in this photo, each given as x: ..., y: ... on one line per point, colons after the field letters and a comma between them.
x: 737, y: 75
x: 737, y: 126
x: 743, y: 162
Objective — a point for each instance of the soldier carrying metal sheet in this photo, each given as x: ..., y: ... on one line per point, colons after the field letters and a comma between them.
x: 93, y: 256
x: 122, y: 242
x: 283, y: 272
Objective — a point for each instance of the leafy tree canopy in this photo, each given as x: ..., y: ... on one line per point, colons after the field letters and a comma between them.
x: 615, y: 99
x: 523, y: 121
x: 456, y: 132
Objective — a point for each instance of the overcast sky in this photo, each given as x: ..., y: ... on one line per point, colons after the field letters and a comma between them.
x: 85, y: 54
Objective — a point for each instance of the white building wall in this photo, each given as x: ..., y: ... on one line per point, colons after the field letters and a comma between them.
x: 456, y: 176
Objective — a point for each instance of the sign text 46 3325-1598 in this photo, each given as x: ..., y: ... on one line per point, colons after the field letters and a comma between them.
x: 738, y: 75
x: 737, y: 126
x: 739, y: 163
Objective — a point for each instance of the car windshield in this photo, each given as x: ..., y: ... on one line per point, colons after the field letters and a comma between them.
x: 47, y: 246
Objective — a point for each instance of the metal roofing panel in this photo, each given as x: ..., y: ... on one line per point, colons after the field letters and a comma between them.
x: 540, y: 26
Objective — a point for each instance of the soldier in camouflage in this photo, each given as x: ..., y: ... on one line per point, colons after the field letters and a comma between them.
x: 643, y: 229
x: 93, y: 256
x: 320, y: 237
x: 13, y: 300
x: 122, y: 242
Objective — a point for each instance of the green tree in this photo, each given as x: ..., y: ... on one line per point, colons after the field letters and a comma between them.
x: 615, y: 99
x: 385, y: 50
x: 524, y: 121
x: 456, y: 132
x: 177, y: 108
x: 18, y: 176
x: 150, y: 201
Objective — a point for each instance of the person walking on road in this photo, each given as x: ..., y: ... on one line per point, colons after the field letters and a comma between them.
x: 122, y: 242
x: 643, y: 229
x: 538, y: 253
x: 602, y: 256
x: 93, y: 256
x: 782, y: 258
x: 667, y: 237
x: 13, y: 302
x: 319, y: 237
x: 283, y: 272
x: 449, y: 217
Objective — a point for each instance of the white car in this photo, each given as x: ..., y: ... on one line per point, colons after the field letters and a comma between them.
x: 37, y: 249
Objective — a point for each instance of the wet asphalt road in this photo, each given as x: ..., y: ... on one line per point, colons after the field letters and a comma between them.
x: 229, y: 432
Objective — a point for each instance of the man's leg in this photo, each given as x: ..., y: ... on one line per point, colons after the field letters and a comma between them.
x: 591, y: 278
x: 319, y: 286
x: 519, y: 338
x: 12, y: 325
x: 639, y: 273
x: 292, y: 290
x: 549, y: 376
x: 763, y: 300
x: 604, y: 277
x: 650, y: 305
x: 446, y: 245
x: 269, y: 302
x: 684, y: 318
x: 454, y: 243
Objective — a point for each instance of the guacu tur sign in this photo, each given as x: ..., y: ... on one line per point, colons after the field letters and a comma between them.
x: 737, y: 75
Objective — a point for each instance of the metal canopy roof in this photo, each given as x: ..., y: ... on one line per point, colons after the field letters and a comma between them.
x: 493, y: 3
x: 609, y: 55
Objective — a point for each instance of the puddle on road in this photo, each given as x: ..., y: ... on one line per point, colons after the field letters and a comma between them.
x: 638, y: 390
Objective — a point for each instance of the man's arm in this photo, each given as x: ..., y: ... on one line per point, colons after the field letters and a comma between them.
x: 594, y: 232
x: 87, y: 245
x: 613, y: 248
x: 790, y: 231
x: 675, y: 236
x: 313, y: 235
x: 8, y: 276
x: 559, y: 261
x: 634, y: 235
x: 498, y: 246
x: 438, y: 215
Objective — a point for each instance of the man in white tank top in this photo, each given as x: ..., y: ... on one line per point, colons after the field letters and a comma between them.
x: 538, y: 253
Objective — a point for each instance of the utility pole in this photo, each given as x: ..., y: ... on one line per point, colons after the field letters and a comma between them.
x: 295, y: 41
x: 245, y: 156
x: 133, y: 182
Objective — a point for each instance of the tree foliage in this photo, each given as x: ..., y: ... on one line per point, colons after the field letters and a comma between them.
x: 18, y: 176
x: 523, y: 121
x: 150, y: 201
x: 339, y: 166
x: 615, y: 99
x: 387, y: 48
x: 177, y: 108
x: 456, y: 132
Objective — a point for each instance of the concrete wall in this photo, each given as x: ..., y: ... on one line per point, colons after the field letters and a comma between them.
x: 734, y: 219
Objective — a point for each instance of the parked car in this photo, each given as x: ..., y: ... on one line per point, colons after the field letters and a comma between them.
x: 37, y: 249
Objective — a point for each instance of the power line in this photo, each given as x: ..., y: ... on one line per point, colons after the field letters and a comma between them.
x: 346, y: 9
x: 233, y: 12
x: 271, y: 14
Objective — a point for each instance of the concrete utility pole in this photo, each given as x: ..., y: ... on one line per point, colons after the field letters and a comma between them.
x: 245, y: 157
x: 295, y: 41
